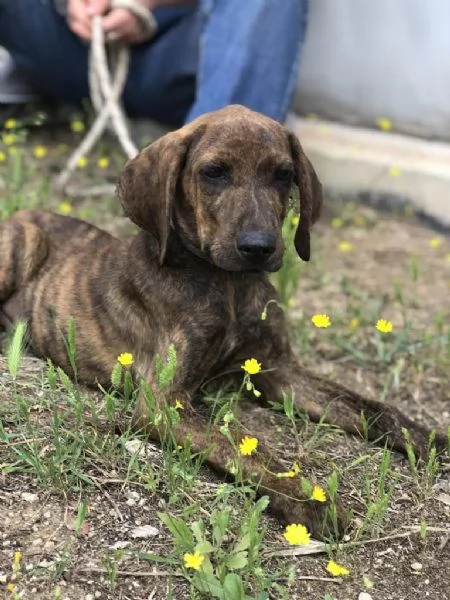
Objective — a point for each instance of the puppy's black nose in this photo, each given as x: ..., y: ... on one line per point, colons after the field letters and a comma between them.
x: 256, y: 245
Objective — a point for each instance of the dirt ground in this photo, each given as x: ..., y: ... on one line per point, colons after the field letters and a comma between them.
x: 394, y: 267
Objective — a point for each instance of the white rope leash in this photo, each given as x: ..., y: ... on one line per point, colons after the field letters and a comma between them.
x: 106, y: 83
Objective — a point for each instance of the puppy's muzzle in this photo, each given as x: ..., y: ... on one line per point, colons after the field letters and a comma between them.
x: 256, y: 246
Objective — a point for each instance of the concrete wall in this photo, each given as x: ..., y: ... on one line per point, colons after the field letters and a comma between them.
x: 366, y: 59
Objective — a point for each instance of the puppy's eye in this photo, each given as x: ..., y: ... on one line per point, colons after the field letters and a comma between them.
x: 284, y: 175
x: 213, y: 172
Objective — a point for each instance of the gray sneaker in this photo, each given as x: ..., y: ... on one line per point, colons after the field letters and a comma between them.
x: 15, y: 87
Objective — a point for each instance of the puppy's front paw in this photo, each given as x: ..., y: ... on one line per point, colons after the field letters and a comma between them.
x: 324, y: 520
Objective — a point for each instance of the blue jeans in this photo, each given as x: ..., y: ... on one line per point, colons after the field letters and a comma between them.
x: 205, y: 57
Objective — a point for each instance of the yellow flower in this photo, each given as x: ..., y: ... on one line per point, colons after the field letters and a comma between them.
x: 178, y: 404
x: 336, y: 570
x: 10, y: 124
x: 103, y: 162
x: 9, y: 139
x: 64, y: 208
x: 292, y: 473
x: 384, y: 326
x: 354, y: 323
x: 77, y: 126
x: 248, y: 445
x: 2, y: 156
x: 345, y: 246
x: 125, y: 359
x: 295, y: 220
x: 193, y: 561
x: 251, y: 366
x: 435, y: 242
x: 40, y: 151
x: 296, y: 534
x: 10, y: 587
x: 384, y: 123
x: 17, y: 557
x: 336, y: 223
x: 394, y: 172
x: 318, y: 494
x: 82, y: 162
x: 321, y: 321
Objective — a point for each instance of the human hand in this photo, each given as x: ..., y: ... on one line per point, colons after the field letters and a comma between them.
x: 119, y: 24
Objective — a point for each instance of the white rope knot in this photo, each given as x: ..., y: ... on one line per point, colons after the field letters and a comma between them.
x: 107, y: 79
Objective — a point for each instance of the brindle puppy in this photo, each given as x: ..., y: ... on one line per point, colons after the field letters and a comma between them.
x: 210, y: 200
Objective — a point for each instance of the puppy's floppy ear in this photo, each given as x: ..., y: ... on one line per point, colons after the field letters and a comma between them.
x: 148, y: 183
x: 311, y: 198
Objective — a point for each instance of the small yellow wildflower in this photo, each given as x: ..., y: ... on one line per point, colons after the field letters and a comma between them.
x: 248, y: 445
x: 394, y: 172
x: 17, y: 557
x: 103, y: 162
x: 40, y: 151
x: 295, y: 220
x: 384, y: 326
x: 77, y: 126
x: 10, y: 587
x: 435, y: 242
x: 82, y: 162
x: 9, y: 139
x: 292, y: 473
x: 125, y: 359
x: 336, y: 223
x: 251, y: 366
x: 2, y: 156
x: 336, y: 570
x: 179, y: 405
x: 384, y: 123
x: 318, y: 494
x: 297, y: 535
x: 354, y: 323
x: 65, y: 208
x: 10, y: 124
x: 345, y: 246
x: 321, y: 321
x: 193, y: 561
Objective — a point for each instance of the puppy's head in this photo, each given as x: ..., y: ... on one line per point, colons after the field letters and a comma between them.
x: 222, y: 185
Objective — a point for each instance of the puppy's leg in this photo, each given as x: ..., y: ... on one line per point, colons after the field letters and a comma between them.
x: 342, y: 407
x: 23, y: 250
x: 221, y: 452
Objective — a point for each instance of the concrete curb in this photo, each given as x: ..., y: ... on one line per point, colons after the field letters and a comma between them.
x: 373, y: 164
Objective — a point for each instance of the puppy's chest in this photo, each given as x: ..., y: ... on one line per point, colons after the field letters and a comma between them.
x: 228, y: 319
